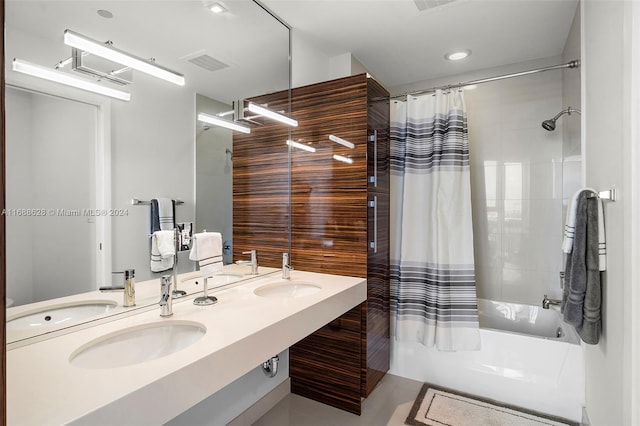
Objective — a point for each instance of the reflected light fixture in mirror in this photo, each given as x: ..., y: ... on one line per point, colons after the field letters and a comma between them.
x: 63, y: 78
x: 272, y: 114
x: 103, y: 50
x: 341, y: 141
x: 343, y: 159
x: 217, y: 121
x: 301, y: 146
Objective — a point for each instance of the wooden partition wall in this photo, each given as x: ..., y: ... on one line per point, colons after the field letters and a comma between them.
x: 333, y: 224
x: 261, y: 188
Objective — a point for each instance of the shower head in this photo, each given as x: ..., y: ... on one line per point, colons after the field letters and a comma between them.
x: 550, y: 125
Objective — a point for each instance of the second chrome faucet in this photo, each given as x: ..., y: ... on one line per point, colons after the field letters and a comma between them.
x: 286, y: 267
x: 166, y: 300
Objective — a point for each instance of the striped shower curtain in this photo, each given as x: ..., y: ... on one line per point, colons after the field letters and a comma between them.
x: 433, y: 292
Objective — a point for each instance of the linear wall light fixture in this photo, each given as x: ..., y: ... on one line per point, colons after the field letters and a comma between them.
x: 86, y: 44
x: 301, y: 146
x: 341, y: 141
x: 217, y: 121
x: 64, y: 78
x: 343, y: 159
x: 272, y: 114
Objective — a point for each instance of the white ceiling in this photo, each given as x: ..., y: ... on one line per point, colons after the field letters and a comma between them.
x: 400, y: 44
x: 248, y: 39
x: 393, y: 39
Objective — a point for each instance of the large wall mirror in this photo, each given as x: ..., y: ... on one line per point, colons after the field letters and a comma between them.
x: 76, y: 160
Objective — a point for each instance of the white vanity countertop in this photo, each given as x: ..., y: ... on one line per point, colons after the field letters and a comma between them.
x: 243, y: 330
x: 147, y: 293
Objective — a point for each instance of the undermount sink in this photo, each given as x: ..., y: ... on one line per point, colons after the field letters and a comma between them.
x: 285, y: 289
x: 137, y: 344
x: 58, y: 315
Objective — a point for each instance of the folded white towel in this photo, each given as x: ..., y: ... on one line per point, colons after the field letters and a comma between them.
x: 165, y: 213
x: 207, y: 251
x: 163, y: 251
x: 570, y: 223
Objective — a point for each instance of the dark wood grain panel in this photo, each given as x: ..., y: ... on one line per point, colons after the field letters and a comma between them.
x: 376, y: 323
x: 331, y: 224
x: 325, y: 366
x: 331, y: 221
x: 261, y: 188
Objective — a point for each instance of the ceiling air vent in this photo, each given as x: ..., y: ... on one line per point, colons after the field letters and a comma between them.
x: 208, y: 63
x: 430, y: 4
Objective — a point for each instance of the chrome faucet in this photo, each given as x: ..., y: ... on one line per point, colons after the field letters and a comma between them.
x: 166, y: 301
x: 546, y: 302
x: 254, y: 261
x: 286, y: 268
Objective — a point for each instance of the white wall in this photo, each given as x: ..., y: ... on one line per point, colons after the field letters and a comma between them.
x: 571, y: 129
x: 50, y: 149
x: 19, y: 229
x: 606, y: 75
x: 311, y: 64
x: 214, y: 174
x: 231, y: 401
x: 152, y: 152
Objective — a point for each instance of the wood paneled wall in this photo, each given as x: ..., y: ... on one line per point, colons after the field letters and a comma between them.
x: 261, y: 188
x: 328, y: 204
x: 331, y: 224
x: 332, y: 227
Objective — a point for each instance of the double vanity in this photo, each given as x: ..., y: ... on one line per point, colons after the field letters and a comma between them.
x: 141, y: 368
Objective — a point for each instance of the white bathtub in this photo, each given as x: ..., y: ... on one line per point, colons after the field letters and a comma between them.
x: 529, y: 358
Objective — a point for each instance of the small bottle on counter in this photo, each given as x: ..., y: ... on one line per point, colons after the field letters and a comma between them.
x: 129, y: 288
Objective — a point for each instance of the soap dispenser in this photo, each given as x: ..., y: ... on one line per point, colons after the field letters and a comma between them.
x: 129, y: 288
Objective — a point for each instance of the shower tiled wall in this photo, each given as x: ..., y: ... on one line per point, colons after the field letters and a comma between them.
x: 517, y: 187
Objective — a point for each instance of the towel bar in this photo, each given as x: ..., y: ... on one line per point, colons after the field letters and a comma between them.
x: 608, y: 195
x: 137, y: 201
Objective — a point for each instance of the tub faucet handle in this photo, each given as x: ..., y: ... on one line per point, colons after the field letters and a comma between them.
x: 546, y: 302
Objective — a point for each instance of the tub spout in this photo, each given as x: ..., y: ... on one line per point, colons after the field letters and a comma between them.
x: 546, y: 301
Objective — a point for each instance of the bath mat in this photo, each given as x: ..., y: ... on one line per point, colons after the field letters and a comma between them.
x: 436, y: 406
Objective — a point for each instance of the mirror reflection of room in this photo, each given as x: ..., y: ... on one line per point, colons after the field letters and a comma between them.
x: 127, y: 149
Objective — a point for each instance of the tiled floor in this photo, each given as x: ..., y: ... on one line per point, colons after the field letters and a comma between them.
x: 388, y: 405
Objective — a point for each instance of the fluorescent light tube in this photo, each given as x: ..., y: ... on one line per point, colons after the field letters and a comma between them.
x: 343, y: 159
x: 64, y: 78
x: 341, y: 141
x: 301, y: 146
x: 271, y: 114
x: 216, y: 121
x: 86, y: 44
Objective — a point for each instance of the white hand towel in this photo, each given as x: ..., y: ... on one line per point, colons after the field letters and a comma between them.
x: 165, y: 212
x: 207, y: 251
x: 162, y: 251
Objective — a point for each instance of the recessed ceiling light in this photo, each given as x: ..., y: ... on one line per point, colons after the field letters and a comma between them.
x: 457, y: 55
x: 105, y: 13
x: 217, y: 8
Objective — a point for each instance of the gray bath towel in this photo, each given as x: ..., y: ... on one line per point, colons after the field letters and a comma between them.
x: 591, y: 319
x: 581, y: 300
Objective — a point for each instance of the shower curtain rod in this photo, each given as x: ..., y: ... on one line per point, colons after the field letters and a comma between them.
x: 570, y: 64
